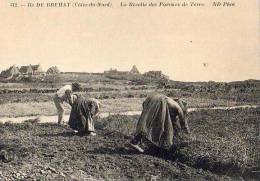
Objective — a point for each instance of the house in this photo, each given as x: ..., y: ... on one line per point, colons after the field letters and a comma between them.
x: 53, y: 70
x: 115, y: 72
x: 26, y: 70
x: 111, y: 70
x: 134, y: 70
x: 31, y: 70
x: 37, y: 69
x: 156, y: 74
x: 10, y: 72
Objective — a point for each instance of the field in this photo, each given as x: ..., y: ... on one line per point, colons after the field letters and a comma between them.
x: 223, y: 145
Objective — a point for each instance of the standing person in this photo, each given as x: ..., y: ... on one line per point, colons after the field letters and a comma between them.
x: 82, y: 113
x: 64, y: 95
x: 161, y: 119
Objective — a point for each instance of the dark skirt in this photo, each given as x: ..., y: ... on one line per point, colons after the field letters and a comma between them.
x: 81, y: 115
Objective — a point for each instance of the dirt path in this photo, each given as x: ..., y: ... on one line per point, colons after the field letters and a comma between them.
x: 52, y: 119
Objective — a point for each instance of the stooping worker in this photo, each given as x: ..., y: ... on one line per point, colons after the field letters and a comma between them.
x: 82, y: 113
x: 161, y: 119
x: 64, y: 95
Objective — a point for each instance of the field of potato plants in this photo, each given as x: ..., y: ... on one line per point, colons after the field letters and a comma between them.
x: 224, y: 144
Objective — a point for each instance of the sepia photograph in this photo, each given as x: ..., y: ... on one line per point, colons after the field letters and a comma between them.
x: 129, y: 90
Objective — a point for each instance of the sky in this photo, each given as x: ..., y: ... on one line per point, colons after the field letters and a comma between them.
x: 188, y: 44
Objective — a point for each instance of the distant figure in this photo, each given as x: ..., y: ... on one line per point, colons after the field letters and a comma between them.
x: 161, y: 119
x: 64, y: 95
x: 82, y: 113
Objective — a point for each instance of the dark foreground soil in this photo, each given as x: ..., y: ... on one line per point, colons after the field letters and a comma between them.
x: 32, y: 151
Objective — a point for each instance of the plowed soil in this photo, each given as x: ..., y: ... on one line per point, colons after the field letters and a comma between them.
x: 33, y: 151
